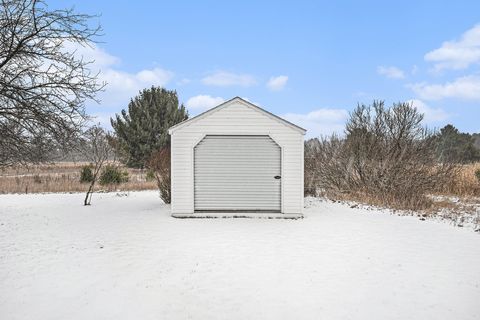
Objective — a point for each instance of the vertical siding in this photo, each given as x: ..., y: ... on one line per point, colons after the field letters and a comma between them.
x: 236, y: 119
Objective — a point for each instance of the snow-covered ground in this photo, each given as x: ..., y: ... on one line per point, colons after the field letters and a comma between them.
x: 124, y: 257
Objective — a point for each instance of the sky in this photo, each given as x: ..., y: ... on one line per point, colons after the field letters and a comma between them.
x: 310, y: 62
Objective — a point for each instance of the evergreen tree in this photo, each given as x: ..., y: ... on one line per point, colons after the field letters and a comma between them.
x: 143, y: 129
x: 476, y: 138
x: 455, y: 146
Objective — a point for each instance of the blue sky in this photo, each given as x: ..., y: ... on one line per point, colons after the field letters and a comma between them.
x: 309, y: 61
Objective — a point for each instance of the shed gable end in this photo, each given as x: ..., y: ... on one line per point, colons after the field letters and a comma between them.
x: 237, y: 112
x: 239, y: 115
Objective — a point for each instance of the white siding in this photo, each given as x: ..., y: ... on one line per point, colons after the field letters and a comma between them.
x: 236, y: 118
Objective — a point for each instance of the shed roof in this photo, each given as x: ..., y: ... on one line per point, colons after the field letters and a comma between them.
x: 229, y: 102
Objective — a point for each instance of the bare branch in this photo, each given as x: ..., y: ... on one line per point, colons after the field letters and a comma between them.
x: 43, y: 87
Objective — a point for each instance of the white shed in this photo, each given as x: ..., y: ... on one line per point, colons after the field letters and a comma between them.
x: 237, y: 160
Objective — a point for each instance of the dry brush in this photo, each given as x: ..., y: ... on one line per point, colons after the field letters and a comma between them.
x: 386, y: 158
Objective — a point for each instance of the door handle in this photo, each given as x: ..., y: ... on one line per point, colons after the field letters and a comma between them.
x: 277, y: 177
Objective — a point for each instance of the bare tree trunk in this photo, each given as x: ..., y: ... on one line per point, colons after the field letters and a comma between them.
x: 92, y: 184
x: 97, y: 148
x: 86, y: 202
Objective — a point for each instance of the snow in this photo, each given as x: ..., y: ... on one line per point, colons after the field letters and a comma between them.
x: 124, y: 257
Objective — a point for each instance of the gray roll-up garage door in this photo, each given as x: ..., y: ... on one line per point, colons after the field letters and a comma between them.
x: 237, y: 173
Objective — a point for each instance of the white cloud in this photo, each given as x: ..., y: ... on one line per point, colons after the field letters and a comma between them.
x: 121, y: 85
x: 226, y: 79
x: 323, y: 121
x: 203, y: 102
x: 277, y: 83
x: 431, y: 115
x: 467, y: 88
x: 457, y: 54
x: 391, y: 72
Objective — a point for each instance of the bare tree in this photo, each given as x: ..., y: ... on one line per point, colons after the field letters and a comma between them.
x: 43, y: 86
x: 159, y: 163
x: 98, y: 150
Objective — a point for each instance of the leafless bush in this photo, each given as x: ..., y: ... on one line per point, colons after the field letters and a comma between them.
x: 159, y: 164
x: 385, y: 157
x: 322, y: 164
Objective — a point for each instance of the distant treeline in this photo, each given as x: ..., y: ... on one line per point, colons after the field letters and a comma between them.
x: 453, y: 145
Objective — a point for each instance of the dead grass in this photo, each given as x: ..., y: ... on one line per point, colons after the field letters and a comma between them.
x: 62, y: 177
x: 459, y: 200
x: 464, y: 183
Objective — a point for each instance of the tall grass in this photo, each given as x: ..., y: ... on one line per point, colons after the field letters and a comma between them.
x: 464, y: 183
x: 62, y: 177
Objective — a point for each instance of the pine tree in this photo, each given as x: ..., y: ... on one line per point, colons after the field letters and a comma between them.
x: 455, y: 146
x: 143, y: 129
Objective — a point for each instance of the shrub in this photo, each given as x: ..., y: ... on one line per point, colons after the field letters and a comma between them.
x: 159, y: 165
x: 86, y: 174
x: 113, y: 175
x: 477, y: 174
x: 386, y: 158
x: 150, y: 176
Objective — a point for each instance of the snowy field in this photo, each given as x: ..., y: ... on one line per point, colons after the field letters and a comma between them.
x: 126, y: 258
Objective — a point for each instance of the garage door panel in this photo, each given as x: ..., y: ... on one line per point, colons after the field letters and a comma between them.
x: 236, y: 173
